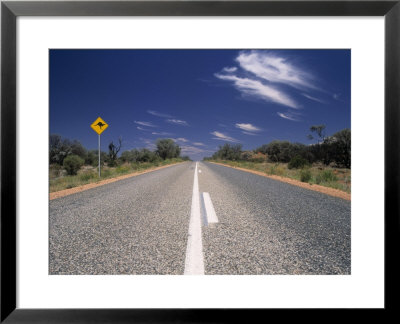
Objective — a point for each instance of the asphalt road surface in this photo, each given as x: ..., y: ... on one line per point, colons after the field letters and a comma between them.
x: 199, y: 218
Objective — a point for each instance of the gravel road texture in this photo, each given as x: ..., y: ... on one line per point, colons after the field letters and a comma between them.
x: 140, y: 225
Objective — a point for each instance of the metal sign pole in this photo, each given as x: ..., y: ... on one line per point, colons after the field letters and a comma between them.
x: 99, y: 125
x: 99, y: 155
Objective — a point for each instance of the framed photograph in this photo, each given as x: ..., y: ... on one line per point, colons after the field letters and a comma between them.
x: 175, y: 161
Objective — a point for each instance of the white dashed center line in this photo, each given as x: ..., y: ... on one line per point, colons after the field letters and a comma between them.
x: 194, y: 264
x: 210, y: 212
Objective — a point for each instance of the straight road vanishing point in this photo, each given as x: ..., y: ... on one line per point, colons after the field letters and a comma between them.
x: 198, y: 218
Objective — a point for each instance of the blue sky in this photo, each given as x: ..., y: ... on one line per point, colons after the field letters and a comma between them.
x: 199, y: 98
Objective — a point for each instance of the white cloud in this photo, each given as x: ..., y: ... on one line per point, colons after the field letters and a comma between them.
x: 149, y: 143
x: 247, y: 133
x: 161, y: 133
x: 198, y: 144
x: 224, y: 137
x: 147, y: 124
x: 142, y: 129
x: 257, y: 89
x: 288, y: 116
x: 181, y: 139
x: 158, y: 114
x: 248, y: 127
x: 230, y: 69
x: 313, y: 98
x: 188, y: 149
x: 273, y: 68
x: 177, y: 122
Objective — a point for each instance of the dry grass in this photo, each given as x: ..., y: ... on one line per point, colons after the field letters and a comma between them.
x: 321, y: 175
x: 88, y: 174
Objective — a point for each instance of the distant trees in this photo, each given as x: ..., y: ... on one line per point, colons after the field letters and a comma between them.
x: 283, y: 151
x: 60, y: 148
x: 167, y: 149
x: 142, y: 155
x: 334, y: 149
x: 72, y: 155
x: 341, y: 147
x: 228, y: 152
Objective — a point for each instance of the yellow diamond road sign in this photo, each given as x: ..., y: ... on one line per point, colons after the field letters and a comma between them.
x: 99, y: 125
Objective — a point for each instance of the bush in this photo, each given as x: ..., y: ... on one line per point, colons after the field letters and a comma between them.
x: 105, y: 173
x: 88, y: 175
x: 297, y: 162
x: 55, y: 170
x: 123, y: 169
x: 326, y: 176
x: 72, y: 163
x: 305, y: 175
x: 277, y: 170
x: 258, y: 157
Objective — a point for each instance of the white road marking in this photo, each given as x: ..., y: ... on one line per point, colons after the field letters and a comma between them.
x: 210, y: 212
x: 194, y: 264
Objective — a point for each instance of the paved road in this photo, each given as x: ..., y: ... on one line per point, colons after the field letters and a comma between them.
x: 140, y: 225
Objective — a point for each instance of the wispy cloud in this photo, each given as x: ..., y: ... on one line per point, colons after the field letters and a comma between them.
x: 181, y: 139
x: 142, y: 129
x: 313, y: 98
x: 274, y: 68
x: 248, y: 127
x: 147, y: 124
x: 248, y: 133
x: 188, y: 149
x: 224, y: 137
x: 259, y: 90
x: 177, y: 122
x: 230, y: 69
x: 268, y: 76
x: 149, y: 143
x: 198, y: 144
x: 158, y: 114
x: 289, y: 116
x: 161, y: 133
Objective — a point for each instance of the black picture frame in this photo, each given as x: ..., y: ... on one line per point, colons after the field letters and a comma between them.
x: 10, y: 10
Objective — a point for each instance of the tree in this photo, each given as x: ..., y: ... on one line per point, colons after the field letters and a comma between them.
x: 229, y: 152
x: 167, y: 149
x: 319, y: 130
x: 113, y: 152
x: 78, y: 149
x: 342, y: 147
x: 59, y: 149
x: 72, y: 163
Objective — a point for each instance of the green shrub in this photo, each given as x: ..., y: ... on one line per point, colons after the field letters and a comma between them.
x: 277, y: 170
x: 55, y: 170
x: 72, y: 163
x: 326, y: 176
x: 105, y: 173
x: 318, y: 178
x: 297, y: 162
x: 305, y: 175
x: 123, y: 169
x: 88, y: 175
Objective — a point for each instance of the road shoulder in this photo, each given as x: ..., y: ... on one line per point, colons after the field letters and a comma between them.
x: 67, y: 192
x: 325, y: 190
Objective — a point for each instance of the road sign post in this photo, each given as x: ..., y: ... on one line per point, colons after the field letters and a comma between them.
x: 99, y: 158
x: 99, y: 126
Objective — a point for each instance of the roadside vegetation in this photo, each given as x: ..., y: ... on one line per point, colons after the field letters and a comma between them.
x: 72, y: 165
x: 327, y: 162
